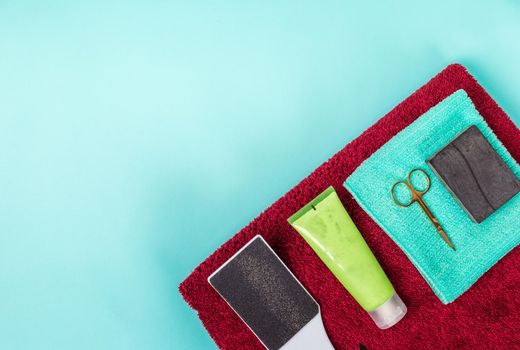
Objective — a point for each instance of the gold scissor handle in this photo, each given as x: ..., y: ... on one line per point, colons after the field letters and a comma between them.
x: 399, y: 203
x: 428, y: 182
x: 414, y: 192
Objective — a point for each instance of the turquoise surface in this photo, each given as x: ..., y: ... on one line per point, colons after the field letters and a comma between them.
x: 137, y: 136
x: 478, y: 246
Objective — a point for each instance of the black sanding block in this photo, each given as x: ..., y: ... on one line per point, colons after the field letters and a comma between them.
x: 270, y: 300
x: 475, y: 174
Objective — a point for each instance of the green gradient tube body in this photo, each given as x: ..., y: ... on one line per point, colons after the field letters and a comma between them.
x: 328, y: 229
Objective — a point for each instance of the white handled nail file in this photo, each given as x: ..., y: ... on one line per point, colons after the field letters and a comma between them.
x: 270, y: 300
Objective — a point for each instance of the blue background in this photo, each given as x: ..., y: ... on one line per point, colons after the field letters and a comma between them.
x: 138, y: 136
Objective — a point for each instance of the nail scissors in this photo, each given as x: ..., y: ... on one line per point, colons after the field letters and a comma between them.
x: 416, y: 196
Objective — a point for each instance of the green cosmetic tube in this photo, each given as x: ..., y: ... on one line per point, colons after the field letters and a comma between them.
x: 328, y: 229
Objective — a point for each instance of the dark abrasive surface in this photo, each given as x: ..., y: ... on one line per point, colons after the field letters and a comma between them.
x: 262, y: 291
x: 475, y: 174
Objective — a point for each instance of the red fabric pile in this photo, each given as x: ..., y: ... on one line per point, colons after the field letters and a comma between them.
x: 485, y: 317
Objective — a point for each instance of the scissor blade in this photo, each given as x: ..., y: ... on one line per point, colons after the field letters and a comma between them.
x: 445, y: 238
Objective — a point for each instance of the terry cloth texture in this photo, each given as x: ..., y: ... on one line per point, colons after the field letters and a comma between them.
x: 486, y: 317
x: 479, y: 246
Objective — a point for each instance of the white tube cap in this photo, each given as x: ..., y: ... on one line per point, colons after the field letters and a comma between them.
x: 388, y: 314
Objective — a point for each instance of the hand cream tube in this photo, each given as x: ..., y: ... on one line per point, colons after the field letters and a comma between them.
x: 328, y: 229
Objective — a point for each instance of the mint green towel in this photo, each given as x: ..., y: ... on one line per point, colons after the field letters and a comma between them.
x: 479, y: 246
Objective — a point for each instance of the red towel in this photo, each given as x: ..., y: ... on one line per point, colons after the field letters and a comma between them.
x: 485, y: 317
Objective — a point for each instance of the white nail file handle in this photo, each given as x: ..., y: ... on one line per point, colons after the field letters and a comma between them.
x: 311, y: 337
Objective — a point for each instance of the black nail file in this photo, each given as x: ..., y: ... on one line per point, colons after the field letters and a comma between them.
x: 475, y: 174
x: 270, y: 300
